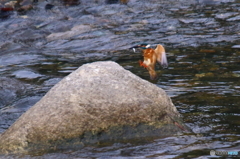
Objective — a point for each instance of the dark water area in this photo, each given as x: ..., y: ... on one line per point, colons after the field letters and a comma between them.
x: 203, y: 77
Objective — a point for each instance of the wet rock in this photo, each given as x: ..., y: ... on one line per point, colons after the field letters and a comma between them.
x: 87, y: 19
x: 10, y: 90
x: 187, y: 21
x: 55, y: 27
x: 234, y: 18
x: 111, y: 1
x: 116, y: 1
x: 126, y: 22
x: 70, y: 2
x: 76, y: 30
x: 201, y: 75
x: 224, y: 16
x: 9, y: 4
x: 194, y: 20
x: 26, y: 74
x: 48, y: 6
x: 207, y: 51
x: 23, y: 5
x: 96, y: 10
x: 236, y: 46
x: 28, y: 36
x: 18, y: 58
x: 52, y: 81
x: 25, y: 8
x: 124, y: 1
x: 6, y: 12
x: 100, y: 101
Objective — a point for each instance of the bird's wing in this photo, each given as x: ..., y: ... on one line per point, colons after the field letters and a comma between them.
x: 161, y: 55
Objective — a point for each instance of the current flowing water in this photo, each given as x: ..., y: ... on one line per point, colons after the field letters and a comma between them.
x: 203, y: 77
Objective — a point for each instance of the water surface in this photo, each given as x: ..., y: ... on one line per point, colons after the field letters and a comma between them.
x: 203, y: 77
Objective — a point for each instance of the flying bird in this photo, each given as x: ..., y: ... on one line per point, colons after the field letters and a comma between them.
x: 151, y: 56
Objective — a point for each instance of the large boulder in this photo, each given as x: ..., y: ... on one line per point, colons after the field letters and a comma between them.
x: 100, y: 101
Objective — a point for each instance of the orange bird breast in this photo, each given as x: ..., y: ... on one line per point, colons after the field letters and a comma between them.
x: 152, y: 56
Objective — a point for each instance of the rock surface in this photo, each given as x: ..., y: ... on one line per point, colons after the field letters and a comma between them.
x: 93, y: 100
x: 68, y: 34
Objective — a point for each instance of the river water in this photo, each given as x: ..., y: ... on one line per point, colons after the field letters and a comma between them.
x: 203, y: 77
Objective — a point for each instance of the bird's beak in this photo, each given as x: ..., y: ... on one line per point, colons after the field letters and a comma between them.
x: 133, y: 48
x: 148, y: 46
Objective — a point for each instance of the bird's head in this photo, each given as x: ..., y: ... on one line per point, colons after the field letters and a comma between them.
x: 141, y: 46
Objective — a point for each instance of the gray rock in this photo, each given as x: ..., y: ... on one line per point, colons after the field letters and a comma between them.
x: 76, y: 30
x: 98, y: 101
x: 27, y: 74
x: 194, y: 20
x: 234, y: 18
x: 224, y: 16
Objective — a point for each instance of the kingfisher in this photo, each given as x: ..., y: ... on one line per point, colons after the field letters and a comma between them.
x: 151, y: 56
